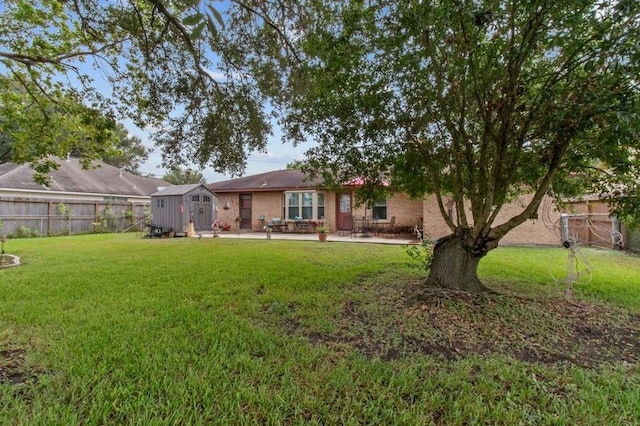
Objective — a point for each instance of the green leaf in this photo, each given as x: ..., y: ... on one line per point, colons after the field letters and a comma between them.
x: 211, y: 26
x: 197, y: 32
x: 216, y: 15
x: 191, y: 3
x: 193, y: 19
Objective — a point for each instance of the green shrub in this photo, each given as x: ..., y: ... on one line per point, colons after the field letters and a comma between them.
x: 26, y: 232
x: 421, y: 255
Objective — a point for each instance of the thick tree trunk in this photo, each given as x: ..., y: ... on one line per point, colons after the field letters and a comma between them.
x: 455, y: 266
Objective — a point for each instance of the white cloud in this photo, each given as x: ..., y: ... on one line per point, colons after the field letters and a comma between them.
x: 217, y: 75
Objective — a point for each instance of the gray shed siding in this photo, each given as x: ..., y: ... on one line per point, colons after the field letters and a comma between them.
x: 174, y: 207
x: 165, y: 212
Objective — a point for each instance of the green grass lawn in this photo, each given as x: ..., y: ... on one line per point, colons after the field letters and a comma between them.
x: 117, y: 329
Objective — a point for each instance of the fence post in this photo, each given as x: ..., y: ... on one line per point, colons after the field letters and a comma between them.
x: 564, y: 224
x: 616, y: 233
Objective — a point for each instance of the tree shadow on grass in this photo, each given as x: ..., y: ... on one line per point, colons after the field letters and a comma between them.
x: 408, y: 319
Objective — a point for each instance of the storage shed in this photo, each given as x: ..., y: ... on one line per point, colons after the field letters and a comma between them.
x: 172, y: 208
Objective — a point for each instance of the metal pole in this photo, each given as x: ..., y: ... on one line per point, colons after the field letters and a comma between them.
x: 2, y: 239
x: 571, y: 275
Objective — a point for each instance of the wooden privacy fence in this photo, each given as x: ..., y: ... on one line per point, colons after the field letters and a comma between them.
x: 23, y: 218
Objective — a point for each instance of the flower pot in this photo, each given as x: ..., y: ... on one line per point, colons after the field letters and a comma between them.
x: 322, y: 236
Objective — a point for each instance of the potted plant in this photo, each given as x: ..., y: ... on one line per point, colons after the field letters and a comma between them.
x: 323, y: 232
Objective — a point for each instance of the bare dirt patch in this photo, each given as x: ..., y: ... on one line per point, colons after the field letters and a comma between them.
x: 12, y: 369
x: 409, y: 318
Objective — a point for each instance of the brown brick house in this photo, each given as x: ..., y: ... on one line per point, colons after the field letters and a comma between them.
x: 293, y: 202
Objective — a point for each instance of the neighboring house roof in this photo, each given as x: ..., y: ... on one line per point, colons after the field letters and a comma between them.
x: 72, y: 178
x: 269, y: 181
x: 178, y: 190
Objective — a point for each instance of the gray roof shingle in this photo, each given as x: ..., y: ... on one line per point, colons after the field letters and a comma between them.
x: 270, y: 181
x: 71, y: 177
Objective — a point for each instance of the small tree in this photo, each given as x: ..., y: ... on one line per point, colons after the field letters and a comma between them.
x: 66, y: 211
x: 179, y: 176
x: 128, y: 151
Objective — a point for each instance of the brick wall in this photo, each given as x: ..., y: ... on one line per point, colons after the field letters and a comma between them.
x: 433, y: 224
x: 409, y: 213
x: 269, y: 205
x: 544, y: 230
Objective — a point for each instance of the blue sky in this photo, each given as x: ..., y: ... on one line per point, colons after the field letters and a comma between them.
x: 277, y: 157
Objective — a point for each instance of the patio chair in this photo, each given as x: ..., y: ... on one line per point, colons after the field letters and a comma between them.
x: 391, y: 229
x: 275, y: 224
x: 357, y: 227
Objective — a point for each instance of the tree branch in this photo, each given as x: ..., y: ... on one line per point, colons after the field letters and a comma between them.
x: 33, y: 97
x: 273, y: 26
x: 31, y: 60
x: 544, y: 185
x: 186, y: 38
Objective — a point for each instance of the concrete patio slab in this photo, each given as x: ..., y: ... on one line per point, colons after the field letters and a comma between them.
x: 335, y: 237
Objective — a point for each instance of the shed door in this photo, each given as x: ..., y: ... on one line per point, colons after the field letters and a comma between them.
x: 203, y: 213
x: 245, y: 211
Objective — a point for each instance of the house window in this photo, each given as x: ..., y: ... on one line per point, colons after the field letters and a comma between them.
x: 160, y: 203
x: 195, y: 198
x: 206, y: 198
x: 379, y: 210
x: 303, y: 205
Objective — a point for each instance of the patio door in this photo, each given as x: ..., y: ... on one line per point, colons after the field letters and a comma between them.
x: 245, y: 211
x: 344, y: 218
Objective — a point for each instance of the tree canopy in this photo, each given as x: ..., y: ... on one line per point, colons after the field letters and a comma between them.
x: 34, y: 126
x: 161, y: 64
x: 62, y: 126
x: 129, y: 151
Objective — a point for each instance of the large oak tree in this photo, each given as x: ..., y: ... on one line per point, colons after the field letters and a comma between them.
x: 476, y: 102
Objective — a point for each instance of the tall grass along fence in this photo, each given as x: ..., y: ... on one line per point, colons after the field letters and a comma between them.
x: 33, y: 218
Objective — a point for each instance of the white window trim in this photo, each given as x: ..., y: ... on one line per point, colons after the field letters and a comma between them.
x: 314, y: 203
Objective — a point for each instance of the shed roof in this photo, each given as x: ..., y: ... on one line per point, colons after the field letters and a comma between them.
x: 72, y: 178
x: 179, y: 190
x: 269, y: 181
